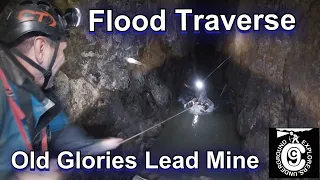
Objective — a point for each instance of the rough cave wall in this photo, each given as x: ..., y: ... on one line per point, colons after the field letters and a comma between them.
x: 106, y: 94
x: 274, y: 78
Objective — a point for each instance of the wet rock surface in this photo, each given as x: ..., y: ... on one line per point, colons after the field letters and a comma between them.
x: 107, y: 95
x: 274, y: 79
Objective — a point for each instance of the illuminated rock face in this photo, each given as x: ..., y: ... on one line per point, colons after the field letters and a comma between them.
x: 99, y: 59
x: 274, y: 78
x: 105, y: 93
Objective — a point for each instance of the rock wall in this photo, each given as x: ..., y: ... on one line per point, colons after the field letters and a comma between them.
x: 111, y: 97
x: 274, y: 78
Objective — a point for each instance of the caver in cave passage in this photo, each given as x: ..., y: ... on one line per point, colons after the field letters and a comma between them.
x: 196, y: 100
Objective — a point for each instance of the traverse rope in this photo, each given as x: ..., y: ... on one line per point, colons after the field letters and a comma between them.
x: 216, y: 68
x: 154, y: 126
x: 136, y: 135
x: 132, y: 137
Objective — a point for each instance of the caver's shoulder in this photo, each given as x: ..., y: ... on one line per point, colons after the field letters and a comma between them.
x: 3, y: 101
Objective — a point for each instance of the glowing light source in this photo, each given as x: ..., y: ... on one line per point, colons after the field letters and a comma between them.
x: 72, y: 17
x: 133, y: 61
x: 199, y: 84
x: 195, y: 120
x: 79, y: 17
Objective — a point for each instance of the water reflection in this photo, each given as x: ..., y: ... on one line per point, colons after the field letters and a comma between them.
x: 188, y: 132
x: 195, y: 120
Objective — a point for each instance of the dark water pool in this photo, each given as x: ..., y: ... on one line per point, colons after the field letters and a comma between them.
x: 187, y: 133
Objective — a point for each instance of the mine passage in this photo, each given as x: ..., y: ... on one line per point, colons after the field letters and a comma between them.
x: 68, y: 97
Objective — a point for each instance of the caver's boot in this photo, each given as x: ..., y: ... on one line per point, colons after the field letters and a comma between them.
x: 189, y: 104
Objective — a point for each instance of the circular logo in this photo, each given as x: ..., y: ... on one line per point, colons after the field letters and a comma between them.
x: 294, y: 158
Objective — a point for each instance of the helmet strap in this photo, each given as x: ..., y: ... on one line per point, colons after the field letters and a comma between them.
x: 46, y: 73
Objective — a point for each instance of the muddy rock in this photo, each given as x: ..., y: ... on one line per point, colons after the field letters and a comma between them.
x: 76, y: 94
x: 273, y: 78
x: 258, y: 141
x: 100, y: 58
x: 159, y: 91
x: 106, y: 94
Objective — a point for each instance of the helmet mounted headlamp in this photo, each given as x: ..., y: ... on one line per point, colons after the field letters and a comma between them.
x: 37, y: 16
x: 72, y: 17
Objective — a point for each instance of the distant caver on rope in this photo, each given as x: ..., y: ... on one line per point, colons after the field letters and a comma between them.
x: 187, y: 107
x: 32, y: 45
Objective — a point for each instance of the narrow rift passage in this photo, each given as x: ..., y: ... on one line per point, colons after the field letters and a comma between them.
x: 216, y: 131
x: 187, y: 133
